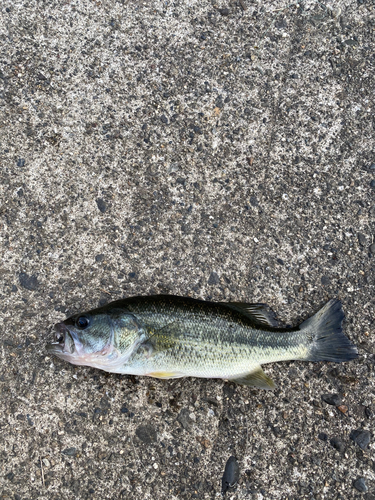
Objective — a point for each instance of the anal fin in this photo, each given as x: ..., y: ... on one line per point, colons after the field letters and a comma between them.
x: 256, y: 378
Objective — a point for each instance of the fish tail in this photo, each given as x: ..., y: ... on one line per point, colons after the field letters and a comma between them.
x: 328, y: 343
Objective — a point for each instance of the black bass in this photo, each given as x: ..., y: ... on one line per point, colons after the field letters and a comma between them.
x: 165, y: 336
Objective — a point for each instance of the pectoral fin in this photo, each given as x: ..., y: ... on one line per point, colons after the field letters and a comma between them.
x: 256, y: 378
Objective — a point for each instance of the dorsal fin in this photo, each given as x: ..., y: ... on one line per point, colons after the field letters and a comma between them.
x: 260, y: 314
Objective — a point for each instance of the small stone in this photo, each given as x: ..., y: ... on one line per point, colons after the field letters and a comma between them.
x: 28, y: 282
x: 70, y: 452
x: 99, y: 258
x: 368, y: 412
x: 101, y: 205
x: 253, y: 201
x: 224, y: 12
x: 185, y: 420
x: 338, y: 444
x: 372, y: 166
x: 10, y: 476
x: 164, y: 119
x: 280, y: 261
x: 362, y: 239
x: 325, y: 280
x: 231, y: 475
x: 372, y: 211
x: 146, y: 433
x: 360, y: 485
x: 372, y: 183
x: 20, y: 162
x: 372, y: 248
x: 343, y: 408
x: 332, y: 399
x: 213, y: 279
x: 361, y: 438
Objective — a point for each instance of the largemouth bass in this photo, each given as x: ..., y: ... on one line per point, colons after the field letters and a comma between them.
x: 165, y: 336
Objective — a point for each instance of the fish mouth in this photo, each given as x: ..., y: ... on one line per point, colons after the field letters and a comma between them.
x: 64, y: 341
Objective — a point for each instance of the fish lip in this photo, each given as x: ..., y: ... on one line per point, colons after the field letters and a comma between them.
x: 64, y: 341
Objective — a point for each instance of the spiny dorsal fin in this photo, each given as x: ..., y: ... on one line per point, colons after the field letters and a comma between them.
x: 256, y: 378
x: 261, y: 314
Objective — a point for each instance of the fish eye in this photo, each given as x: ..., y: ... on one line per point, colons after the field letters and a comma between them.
x: 83, y: 322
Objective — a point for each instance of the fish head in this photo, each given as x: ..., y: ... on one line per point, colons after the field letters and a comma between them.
x: 100, y: 339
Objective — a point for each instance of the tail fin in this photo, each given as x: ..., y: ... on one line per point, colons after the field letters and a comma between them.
x: 328, y: 343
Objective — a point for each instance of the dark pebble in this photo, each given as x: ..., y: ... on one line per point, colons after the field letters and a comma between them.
x: 146, y: 433
x: 368, y: 412
x: 124, y: 409
x: 28, y: 282
x: 99, y: 258
x: 361, y: 438
x: 372, y: 183
x: 280, y: 261
x: 70, y: 452
x: 185, y: 420
x: 372, y: 210
x: 362, y: 239
x: 213, y: 279
x: 20, y: 162
x: 338, y: 444
x: 372, y: 248
x: 101, y: 205
x: 253, y: 201
x: 325, y: 280
x: 10, y: 476
x: 372, y: 166
x: 132, y: 275
x: 14, y: 288
x: 224, y: 12
x: 360, y: 485
x: 332, y: 399
x: 231, y: 475
x: 164, y: 119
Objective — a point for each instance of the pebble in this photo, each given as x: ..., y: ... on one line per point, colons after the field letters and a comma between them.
x: 213, y: 279
x: 70, y: 452
x: 28, y: 282
x: 185, y: 420
x: 231, y: 475
x: 372, y: 183
x: 372, y: 248
x: 360, y: 485
x: 101, y: 205
x: 361, y: 438
x: 362, y: 239
x: 338, y: 444
x: 224, y: 12
x: 164, y: 119
x: 99, y: 258
x: 325, y: 280
x: 20, y: 162
x: 146, y: 433
x: 332, y: 399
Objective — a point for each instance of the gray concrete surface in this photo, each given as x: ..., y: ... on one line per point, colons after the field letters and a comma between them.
x: 178, y: 147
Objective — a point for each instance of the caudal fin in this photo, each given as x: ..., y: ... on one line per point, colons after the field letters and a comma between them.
x: 328, y: 343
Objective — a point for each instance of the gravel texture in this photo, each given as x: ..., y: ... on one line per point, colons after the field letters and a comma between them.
x: 223, y: 150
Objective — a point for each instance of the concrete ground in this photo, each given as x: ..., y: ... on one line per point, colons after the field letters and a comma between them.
x: 222, y: 150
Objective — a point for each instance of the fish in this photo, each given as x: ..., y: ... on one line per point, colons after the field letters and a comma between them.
x: 167, y: 336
